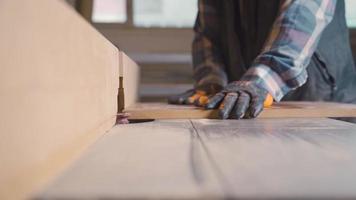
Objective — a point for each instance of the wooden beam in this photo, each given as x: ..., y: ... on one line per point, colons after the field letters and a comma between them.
x: 278, y: 110
x: 58, y: 87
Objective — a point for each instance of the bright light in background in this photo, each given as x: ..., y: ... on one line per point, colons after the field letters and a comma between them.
x: 167, y: 13
x: 109, y: 11
x: 164, y: 13
x: 351, y: 13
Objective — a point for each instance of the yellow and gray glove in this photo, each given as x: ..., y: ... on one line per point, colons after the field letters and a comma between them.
x: 198, y: 96
x: 240, y: 99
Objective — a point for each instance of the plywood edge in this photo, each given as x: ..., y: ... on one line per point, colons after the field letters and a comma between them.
x: 131, y: 79
x: 58, y: 89
x: 280, y: 110
x: 37, y: 176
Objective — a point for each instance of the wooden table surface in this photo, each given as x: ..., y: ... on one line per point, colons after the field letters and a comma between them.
x: 198, y: 159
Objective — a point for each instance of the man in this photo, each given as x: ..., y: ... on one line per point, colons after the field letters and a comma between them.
x: 246, y: 49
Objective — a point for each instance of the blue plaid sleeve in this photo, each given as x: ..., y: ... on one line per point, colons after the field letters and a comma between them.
x: 281, y: 67
x: 207, y: 60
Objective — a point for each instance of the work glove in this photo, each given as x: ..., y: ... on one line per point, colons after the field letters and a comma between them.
x: 240, y: 99
x: 198, y: 96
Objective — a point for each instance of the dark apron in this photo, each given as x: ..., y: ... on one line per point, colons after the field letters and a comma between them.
x: 331, y: 72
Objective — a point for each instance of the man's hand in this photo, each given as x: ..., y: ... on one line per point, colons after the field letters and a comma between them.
x: 239, y: 99
x: 198, y: 96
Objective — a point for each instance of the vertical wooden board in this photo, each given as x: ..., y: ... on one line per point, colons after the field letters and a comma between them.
x: 131, y: 74
x: 283, y: 158
x: 154, y: 160
x: 58, y: 87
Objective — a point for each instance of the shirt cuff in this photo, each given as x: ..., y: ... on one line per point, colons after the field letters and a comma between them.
x: 268, y: 79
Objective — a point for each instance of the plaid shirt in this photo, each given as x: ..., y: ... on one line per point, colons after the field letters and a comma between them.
x: 281, y: 65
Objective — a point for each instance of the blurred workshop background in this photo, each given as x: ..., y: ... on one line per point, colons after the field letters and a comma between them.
x: 157, y: 34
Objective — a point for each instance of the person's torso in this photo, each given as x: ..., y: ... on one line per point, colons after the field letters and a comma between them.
x: 246, y: 25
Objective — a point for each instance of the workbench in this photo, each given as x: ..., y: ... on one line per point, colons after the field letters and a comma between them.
x: 199, y: 159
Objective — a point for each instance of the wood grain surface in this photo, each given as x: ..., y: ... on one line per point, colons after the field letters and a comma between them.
x: 58, y: 87
x: 282, y: 158
x: 157, y: 160
x: 212, y: 159
x: 278, y: 110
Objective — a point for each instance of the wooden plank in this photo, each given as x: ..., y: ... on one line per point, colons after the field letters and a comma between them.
x: 58, y: 87
x: 284, y: 158
x: 278, y: 110
x: 215, y: 159
x: 155, y: 160
x: 131, y: 75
